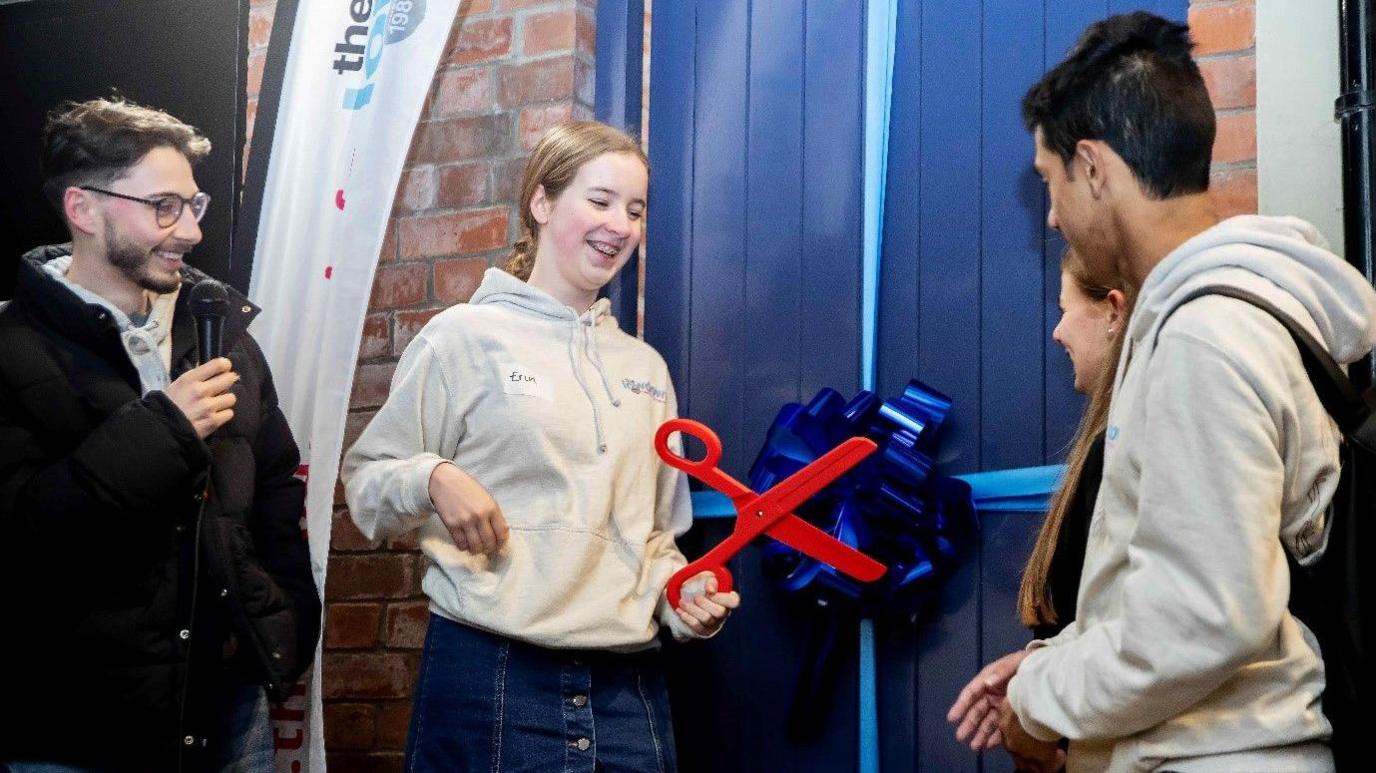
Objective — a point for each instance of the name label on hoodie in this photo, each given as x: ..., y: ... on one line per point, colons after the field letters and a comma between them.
x: 517, y: 379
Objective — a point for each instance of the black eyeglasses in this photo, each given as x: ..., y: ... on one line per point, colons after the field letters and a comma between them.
x: 167, y: 207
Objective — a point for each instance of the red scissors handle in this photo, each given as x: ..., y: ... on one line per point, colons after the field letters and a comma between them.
x: 705, y: 469
x: 713, y: 561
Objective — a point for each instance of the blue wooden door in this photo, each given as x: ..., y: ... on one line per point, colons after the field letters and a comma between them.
x: 752, y: 294
x: 968, y: 297
x: 754, y: 287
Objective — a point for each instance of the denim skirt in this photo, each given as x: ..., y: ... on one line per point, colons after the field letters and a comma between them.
x: 488, y: 703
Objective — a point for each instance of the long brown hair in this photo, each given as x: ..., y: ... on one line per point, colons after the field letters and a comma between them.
x: 1035, y: 604
x: 554, y: 163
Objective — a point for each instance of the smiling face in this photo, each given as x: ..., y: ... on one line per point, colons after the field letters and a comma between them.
x: 143, y: 252
x: 589, y: 231
x: 1086, y: 331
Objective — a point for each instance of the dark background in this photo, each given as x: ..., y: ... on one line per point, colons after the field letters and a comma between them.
x: 187, y: 57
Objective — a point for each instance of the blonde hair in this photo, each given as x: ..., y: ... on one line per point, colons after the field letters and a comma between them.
x: 1035, y: 604
x: 557, y: 157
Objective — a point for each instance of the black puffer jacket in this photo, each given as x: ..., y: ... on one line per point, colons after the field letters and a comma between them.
x: 116, y: 627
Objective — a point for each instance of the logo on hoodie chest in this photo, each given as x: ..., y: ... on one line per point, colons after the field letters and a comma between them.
x: 517, y: 379
x: 644, y: 388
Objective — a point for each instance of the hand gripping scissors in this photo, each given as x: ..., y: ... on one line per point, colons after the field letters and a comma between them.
x: 770, y: 513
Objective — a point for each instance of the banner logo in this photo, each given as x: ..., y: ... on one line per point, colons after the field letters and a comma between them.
x: 363, y: 43
x: 308, y: 328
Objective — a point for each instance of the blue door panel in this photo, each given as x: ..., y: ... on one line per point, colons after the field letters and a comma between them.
x: 1012, y: 282
x: 753, y: 295
x: 730, y: 696
x: 968, y: 299
x: 833, y: 138
x: 669, y: 231
x: 1006, y: 539
x: 900, y: 313
x: 718, y: 345
x: 773, y: 294
x: 755, y: 106
x: 947, y: 647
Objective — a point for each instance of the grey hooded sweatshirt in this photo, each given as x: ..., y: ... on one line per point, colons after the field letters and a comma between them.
x: 554, y: 413
x: 1219, y: 458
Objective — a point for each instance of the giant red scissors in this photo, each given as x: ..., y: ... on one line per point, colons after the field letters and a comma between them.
x: 770, y: 513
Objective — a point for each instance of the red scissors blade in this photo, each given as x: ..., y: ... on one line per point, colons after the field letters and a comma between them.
x: 812, y: 541
x: 801, y: 485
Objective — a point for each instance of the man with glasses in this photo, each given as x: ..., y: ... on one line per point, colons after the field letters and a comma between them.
x: 154, y: 579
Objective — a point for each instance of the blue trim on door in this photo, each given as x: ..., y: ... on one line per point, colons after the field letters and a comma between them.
x: 880, y: 29
x: 620, y: 40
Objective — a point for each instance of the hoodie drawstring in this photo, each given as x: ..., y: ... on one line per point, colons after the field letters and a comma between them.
x: 596, y: 358
x: 578, y: 374
x: 590, y: 350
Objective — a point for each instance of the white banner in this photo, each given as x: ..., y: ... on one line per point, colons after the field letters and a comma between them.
x: 356, y: 79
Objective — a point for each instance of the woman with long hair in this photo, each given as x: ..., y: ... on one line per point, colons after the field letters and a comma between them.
x: 1093, y: 317
x: 1094, y: 314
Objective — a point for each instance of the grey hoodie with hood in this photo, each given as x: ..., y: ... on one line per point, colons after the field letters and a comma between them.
x: 554, y: 413
x: 1218, y: 459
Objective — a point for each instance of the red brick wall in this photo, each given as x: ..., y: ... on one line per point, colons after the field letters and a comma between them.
x: 259, y: 30
x: 511, y: 69
x: 1225, y: 38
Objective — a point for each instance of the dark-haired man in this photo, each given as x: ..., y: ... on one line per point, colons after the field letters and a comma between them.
x: 1219, y: 457
x: 153, y: 575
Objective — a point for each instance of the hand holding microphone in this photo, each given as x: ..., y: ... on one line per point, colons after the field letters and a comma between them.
x: 202, y: 393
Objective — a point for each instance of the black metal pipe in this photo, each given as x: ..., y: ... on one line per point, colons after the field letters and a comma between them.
x: 1356, y: 114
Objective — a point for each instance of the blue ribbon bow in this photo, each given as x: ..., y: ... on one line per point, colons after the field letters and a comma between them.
x: 890, y: 506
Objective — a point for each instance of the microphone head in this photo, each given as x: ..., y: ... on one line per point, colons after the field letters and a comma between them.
x: 209, y: 298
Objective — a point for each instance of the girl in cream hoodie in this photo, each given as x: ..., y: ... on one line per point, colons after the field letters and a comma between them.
x: 518, y: 439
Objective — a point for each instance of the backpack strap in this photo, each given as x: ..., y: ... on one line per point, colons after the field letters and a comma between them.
x: 1354, y: 411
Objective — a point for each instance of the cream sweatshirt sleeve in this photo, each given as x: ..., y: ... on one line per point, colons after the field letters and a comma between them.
x: 673, y: 518
x: 1206, y: 587
x: 386, y: 473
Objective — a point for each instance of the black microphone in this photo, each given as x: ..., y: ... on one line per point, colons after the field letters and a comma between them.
x: 209, y: 304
